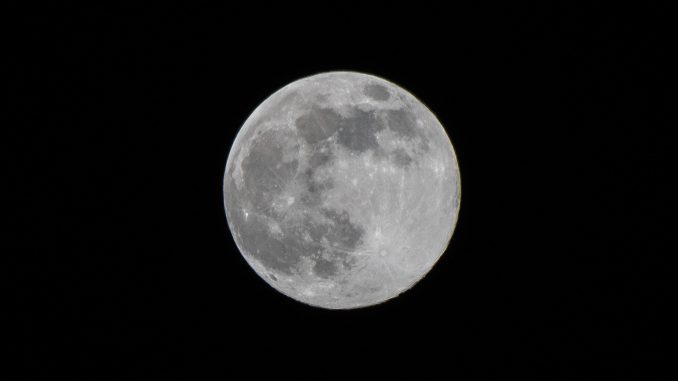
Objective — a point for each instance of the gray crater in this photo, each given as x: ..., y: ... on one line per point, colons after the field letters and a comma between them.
x: 376, y: 92
x: 401, y: 122
x: 343, y: 233
x: 356, y: 132
x: 318, y: 124
x: 273, y: 252
x: 401, y: 158
x: 265, y: 171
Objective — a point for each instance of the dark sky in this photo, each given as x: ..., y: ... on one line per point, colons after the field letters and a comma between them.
x: 561, y: 263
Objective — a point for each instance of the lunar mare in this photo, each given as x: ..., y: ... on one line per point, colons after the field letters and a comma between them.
x: 342, y: 190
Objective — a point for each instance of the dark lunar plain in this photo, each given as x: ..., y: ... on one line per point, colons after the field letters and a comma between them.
x: 121, y: 265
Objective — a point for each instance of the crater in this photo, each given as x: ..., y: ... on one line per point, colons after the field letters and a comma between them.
x: 376, y: 92
x: 404, y: 123
x: 320, y: 156
x: 358, y: 132
x: 342, y: 233
x: 280, y: 252
x: 401, y: 158
x: 401, y: 122
x: 329, y: 238
x: 314, y: 192
x: 318, y: 124
x: 337, y: 236
x: 324, y: 268
x: 265, y: 171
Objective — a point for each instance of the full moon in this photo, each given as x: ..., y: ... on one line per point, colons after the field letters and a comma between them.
x: 342, y: 190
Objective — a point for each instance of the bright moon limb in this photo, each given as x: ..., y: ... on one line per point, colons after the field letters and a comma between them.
x: 342, y: 190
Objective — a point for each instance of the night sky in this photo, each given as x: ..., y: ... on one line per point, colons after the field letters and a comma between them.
x: 119, y: 254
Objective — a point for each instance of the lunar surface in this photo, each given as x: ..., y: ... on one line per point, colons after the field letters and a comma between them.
x: 342, y: 190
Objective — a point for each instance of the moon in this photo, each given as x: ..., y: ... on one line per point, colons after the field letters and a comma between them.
x: 342, y: 190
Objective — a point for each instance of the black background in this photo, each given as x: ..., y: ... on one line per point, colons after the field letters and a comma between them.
x: 121, y: 261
